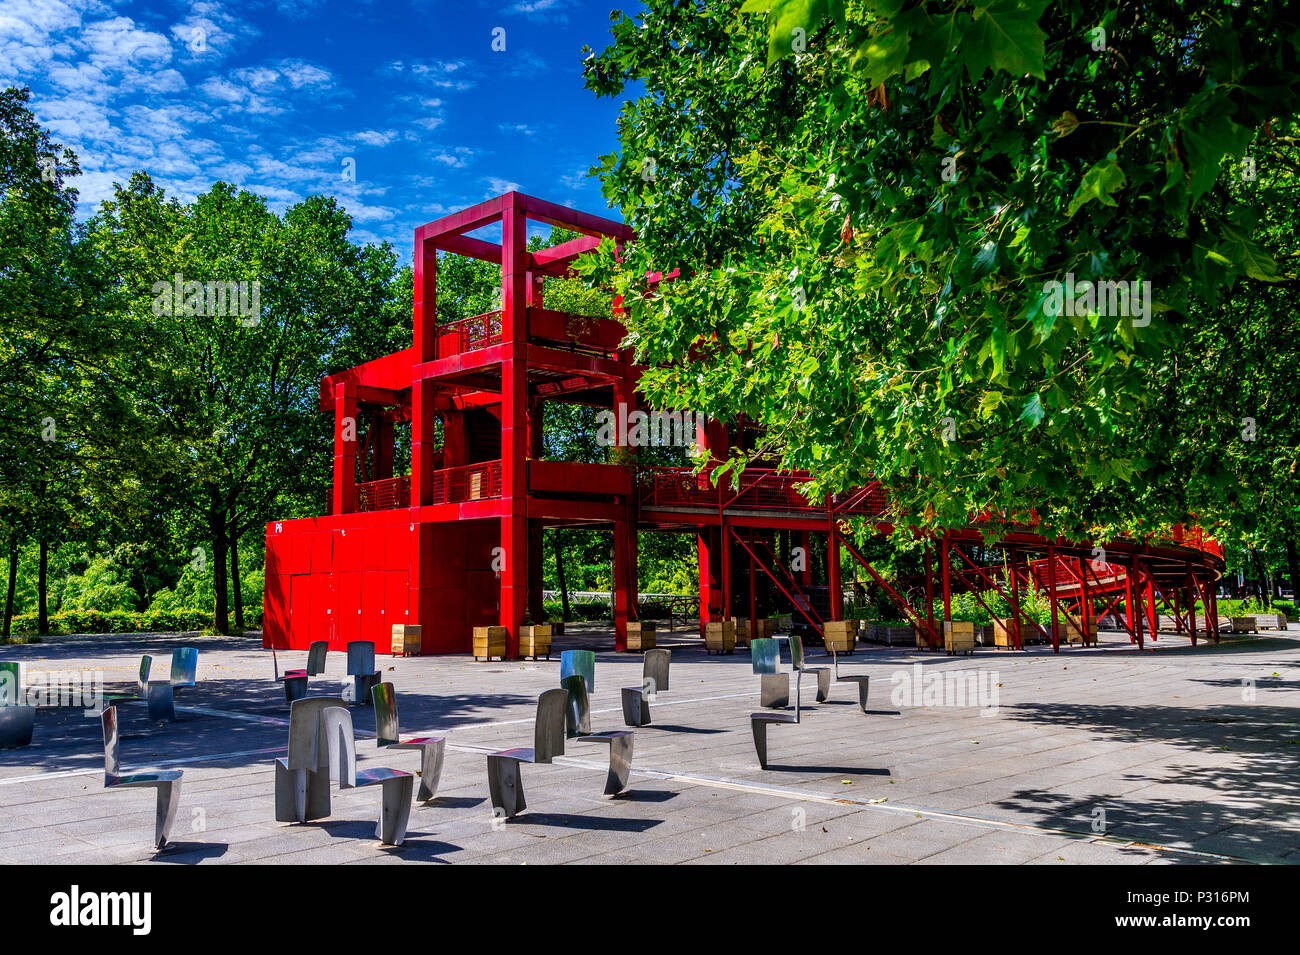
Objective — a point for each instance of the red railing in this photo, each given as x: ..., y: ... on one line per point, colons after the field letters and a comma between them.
x: 759, y: 490
x: 763, y: 489
x: 478, y: 331
x: 470, y: 482
x: 384, y: 495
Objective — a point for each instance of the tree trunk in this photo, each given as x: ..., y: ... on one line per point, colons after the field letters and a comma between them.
x: 558, y: 545
x: 236, y: 590
x: 42, y: 609
x: 13, y: 582
x: 217, y: 528
x: 1293, y: 568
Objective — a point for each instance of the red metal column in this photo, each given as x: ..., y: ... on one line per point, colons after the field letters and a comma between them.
x: 1139, y: 614
x: 753, y: 588
x: 833, y: 571
x: 624, y: 580
x: 1130, y: 595
x: 1191, y: 603
x: 1085, y: 603
x: 345, y: 448
x: 805, y: 544
x: 1051, y: 597
x: 947, y: 579
x: 929, y: 585
x: 709, y: 562
x: 514, y: 421
x: 1015, y: 597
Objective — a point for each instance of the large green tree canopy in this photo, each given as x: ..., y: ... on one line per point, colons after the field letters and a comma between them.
x: 887, y: 214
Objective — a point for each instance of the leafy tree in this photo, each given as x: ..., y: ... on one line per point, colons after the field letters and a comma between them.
x: 873, y: 204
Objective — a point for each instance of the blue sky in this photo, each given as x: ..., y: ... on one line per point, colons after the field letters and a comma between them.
x: 277, y: 97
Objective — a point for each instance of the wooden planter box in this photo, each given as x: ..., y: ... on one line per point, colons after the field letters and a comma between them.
x: 557, y: 627
x: 1270, y: 621
x: 406, y: 639
x: 841, y: 635
x: 1003, y: 634
x: 534, y: 641
x: 490, y: 642
x: 1073, y: 629
x: 895, y: 635
x: 742, y: 630
x: 1243, y: 624
x: 986, y: 635
x: 720, y: 636
x: 640, y: 636
x: 958, y: 636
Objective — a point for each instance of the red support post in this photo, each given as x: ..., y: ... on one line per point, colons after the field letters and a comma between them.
x: 1051, y: 597
x: 514, y: 422
x: 345, y: 448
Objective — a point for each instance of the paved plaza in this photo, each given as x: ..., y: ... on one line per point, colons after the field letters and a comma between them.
x: 1177, y: 755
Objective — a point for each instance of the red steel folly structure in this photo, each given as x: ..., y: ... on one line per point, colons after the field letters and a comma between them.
x: 457, y: 542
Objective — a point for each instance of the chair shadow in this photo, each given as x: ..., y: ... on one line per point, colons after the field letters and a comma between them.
x: 829, y: 770
x: 452, y: 802
x: 415, y: 849
x: 566, y: 820
x: 678, y: 728
x: 190, y: 853
x: 645, y: 795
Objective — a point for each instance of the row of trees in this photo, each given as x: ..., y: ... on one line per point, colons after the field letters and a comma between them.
x: 159, y: 384
x: 999, y: 255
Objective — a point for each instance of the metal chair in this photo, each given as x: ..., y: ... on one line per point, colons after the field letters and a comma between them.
x: 863, y: 681
x: 185, y: 668
x: 577, y: 720
x: 302, y: 786
x: 774, y: 686
x: 17, y: 716
x: 395, y: 785
x: 799, y: 664
x: 156, y: 695
x: 316, y: 653
x: 580, y: 662
x: 654, y: 679
x: 361, y: 667
x: 759, y: 722
x: 505, y: 784
x: 654, y: 670
x: 167, y: 782
x: 389, y: 737
x: 295, y: 681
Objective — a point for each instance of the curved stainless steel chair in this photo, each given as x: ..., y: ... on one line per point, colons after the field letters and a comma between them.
x: 17, y: 716
x: 167, y: 782
x: 185, y: 668
x: 770, y: 657
x: 156, y: 695
x: 579, y: 662
x: 431, y: 748
x: 759, y: 722
x: 361, y: 667
x: 302, y: 785
x: 578, y: 728
x: 316, y: 657
x: 861, y: 679
x: 774, y: 686
x: 654, y: 671
x: 395, y: 785
x: 505, y: 784
x: 636, y: 706
x: 577, y: 709
x: 800, y: 665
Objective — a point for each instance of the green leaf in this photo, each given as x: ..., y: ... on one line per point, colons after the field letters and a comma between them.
x: 1005, y: 35
x: 1098, y: 183
x: 1033, y: 412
